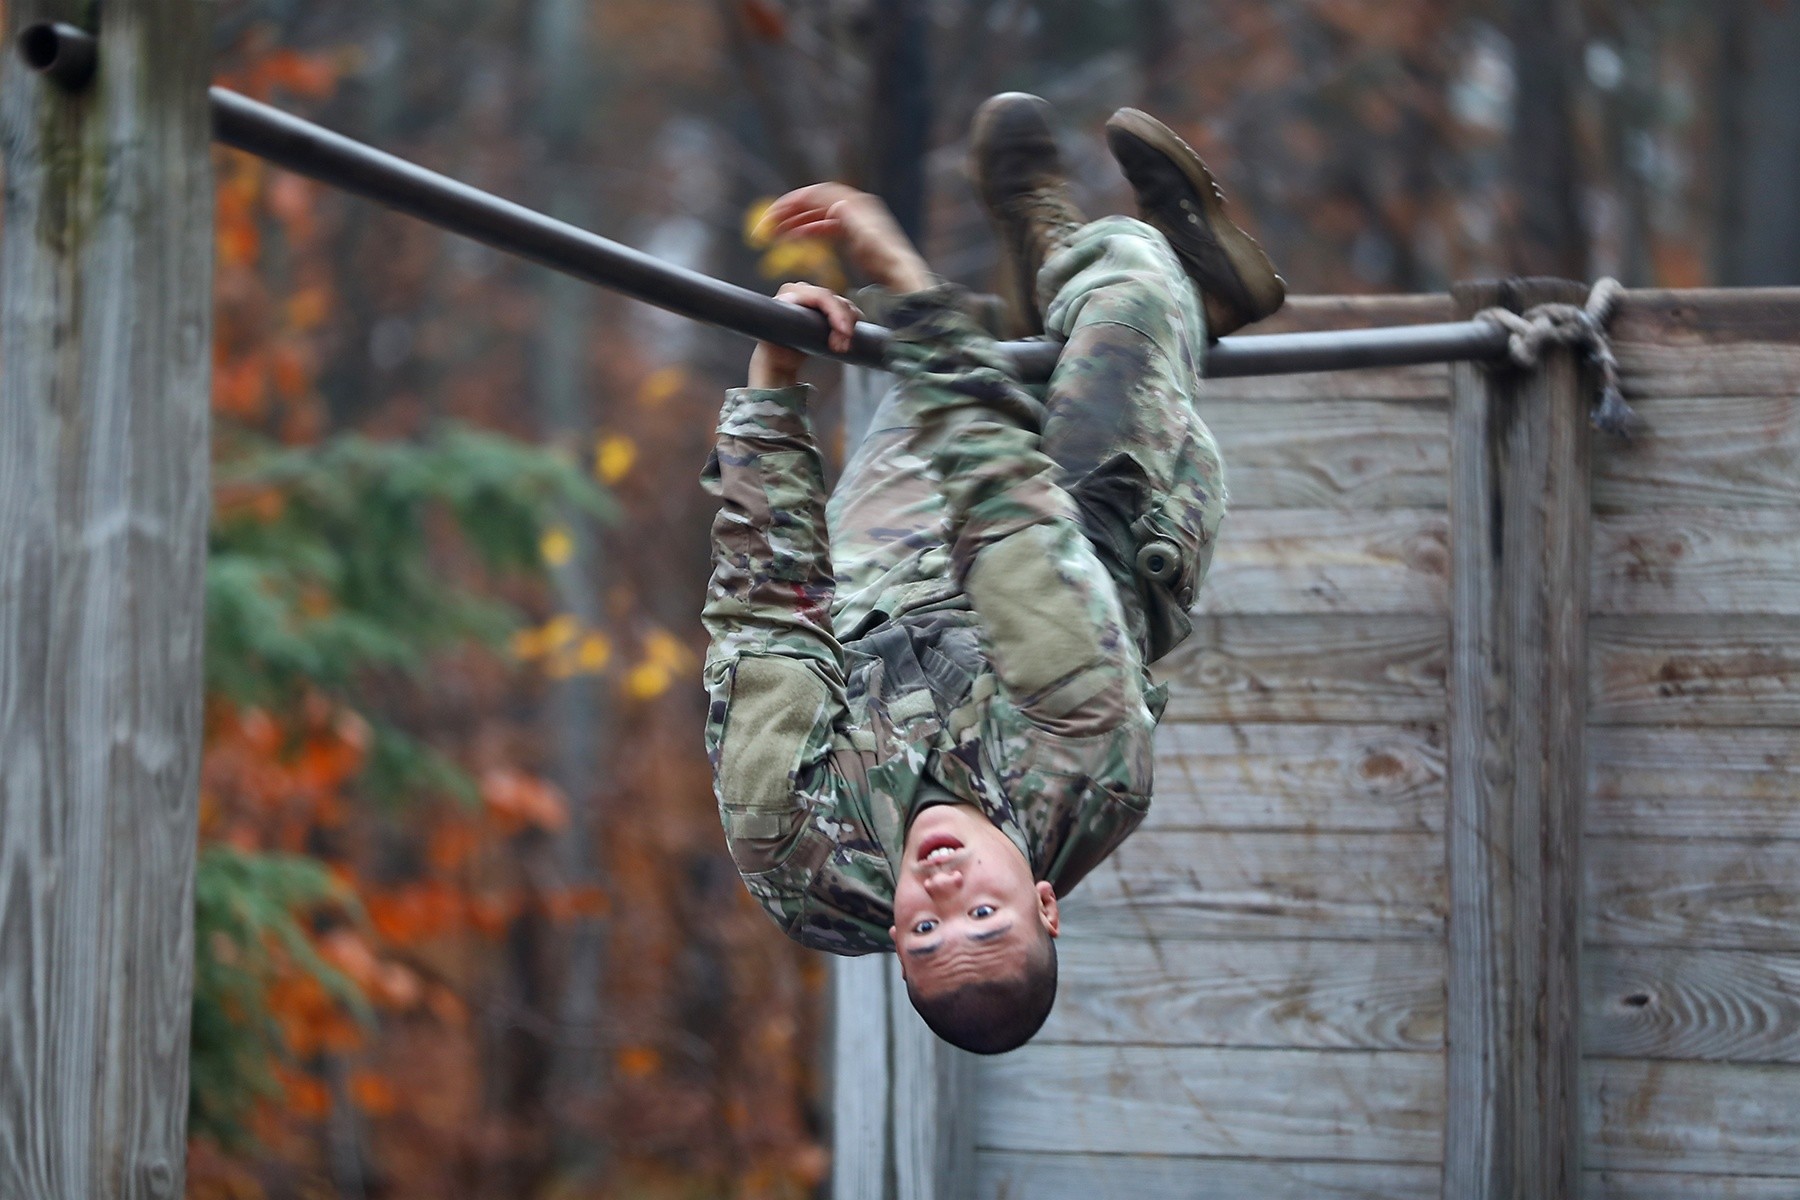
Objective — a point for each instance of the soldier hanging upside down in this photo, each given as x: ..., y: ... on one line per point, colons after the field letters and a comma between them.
x: 930, y: 712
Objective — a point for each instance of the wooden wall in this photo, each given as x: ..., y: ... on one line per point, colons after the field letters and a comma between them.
x: 1254, y: 995
x: 1692, y: 952
x: 1253, y: 987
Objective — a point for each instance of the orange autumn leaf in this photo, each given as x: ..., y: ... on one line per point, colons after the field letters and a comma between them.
x: 373, y: 1094
x: 451, y: 845
x: 638, y: 1062
x: 519, y: 801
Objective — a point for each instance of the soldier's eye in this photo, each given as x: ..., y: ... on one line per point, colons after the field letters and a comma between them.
x: 925, y: 926
x: 982, y: 912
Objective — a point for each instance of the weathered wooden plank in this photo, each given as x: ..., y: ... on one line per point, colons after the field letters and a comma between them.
x: 1417, y: 385
x: 1695, y: 317
x: 1351, y: 454
x: 934, y: 1142
x: 106, y: 324
x: 1664, y: 1185
x: 1314, y: 777
x: 1708, y: 343
x: 1305, y: 1104
x: 860, y: 1078
x: 1720, y: 1005
x: 1309, y: 995
x: 1704, y: 1118
x: 1695, y: 670
x: 1302, y: 314
x: 1695, y: 452
x: 1293, y: 561
x: 1520, y: 520
x: 1011, y: 1175
x: 1312, y: 668
x: 1178, y: 885
x: 1671, y: 561
x: 1746, y: 368
x: 1648, y: 781
x: 1721, y: 895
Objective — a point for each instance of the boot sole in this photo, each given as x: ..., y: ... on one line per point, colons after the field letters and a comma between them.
x: 1262, y: 290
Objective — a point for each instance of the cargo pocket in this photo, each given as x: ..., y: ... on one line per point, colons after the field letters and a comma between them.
x: 775, y: 723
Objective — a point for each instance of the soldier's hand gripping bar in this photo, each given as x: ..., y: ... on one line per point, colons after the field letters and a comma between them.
x: 68, y: 56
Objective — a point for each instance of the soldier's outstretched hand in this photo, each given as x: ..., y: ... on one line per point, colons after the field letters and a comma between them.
x: 774, y: 366
x: 858, y: 222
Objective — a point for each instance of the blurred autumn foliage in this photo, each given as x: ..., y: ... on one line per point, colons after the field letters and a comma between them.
x: 466, y: 924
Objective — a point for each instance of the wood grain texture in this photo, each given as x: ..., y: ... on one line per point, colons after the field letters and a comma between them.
x: 1703, y: 1118
x: 1011, y: 1175
x: 1717, y: 1005
x: 934, y: 1142
x: 1677, y: 561
x: 1695, y: 671
x: 1304, y: 1104
x: 105, y: 321
x: 1520, y: 517
x: 861, y: 1078
x: 1354, y: 669
x: 1658, y: 782
x: 1297, y: 561
x: 1306, y: 777
x: 1723, y: 451
x: 1666, y: 1185
x: 1347, y: 454
x: 1175, y: 886
x: 1306, y: 995
x: 1732, y: 368
x: 1720, y: 895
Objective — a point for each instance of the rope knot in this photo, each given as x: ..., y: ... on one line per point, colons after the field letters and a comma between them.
x: 1580, y: 327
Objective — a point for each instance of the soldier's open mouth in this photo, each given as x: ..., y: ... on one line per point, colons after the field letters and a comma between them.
x: 939, y: 847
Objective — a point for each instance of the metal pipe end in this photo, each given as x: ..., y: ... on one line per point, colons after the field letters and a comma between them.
x: 62, y: 52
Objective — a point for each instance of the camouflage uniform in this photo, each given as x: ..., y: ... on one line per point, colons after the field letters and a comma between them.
x: 966, y: 621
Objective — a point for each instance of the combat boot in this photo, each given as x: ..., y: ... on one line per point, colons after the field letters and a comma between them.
x: 1020, y: 178
x: 1177, y: 195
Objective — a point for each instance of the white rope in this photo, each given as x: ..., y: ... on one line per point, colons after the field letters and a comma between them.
x: 1580, y: 327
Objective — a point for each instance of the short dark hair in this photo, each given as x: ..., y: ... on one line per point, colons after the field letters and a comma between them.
x: 995, y: 1015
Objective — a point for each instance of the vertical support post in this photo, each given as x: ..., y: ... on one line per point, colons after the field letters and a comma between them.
x: 861, y: 1080
x: 105, y: 359
x: 934, y: 1148
x: 1520, y: 530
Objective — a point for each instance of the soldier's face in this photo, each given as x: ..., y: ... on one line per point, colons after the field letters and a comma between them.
x: 965, y: 904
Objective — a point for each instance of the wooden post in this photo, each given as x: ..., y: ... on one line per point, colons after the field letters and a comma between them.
x: 934, y: 1144
x: 1519, y: 510
x: 861, y: 1080
x: 105, y: 336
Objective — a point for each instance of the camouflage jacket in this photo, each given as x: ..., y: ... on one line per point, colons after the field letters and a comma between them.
x: 1013, y: 684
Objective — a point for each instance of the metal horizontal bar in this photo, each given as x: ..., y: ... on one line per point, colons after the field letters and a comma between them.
x: 342, y: 162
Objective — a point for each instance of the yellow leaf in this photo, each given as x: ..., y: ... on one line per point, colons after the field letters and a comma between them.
x: 804, y: 258
x: 752, y: 218
x: 659, y: 385
x: 527, y: 644
x: 613, y: 457
x: 594, y: 652
x: 557, y: 546
x: 662, y: 647
x: 560, y: 631
x: 647, y: 681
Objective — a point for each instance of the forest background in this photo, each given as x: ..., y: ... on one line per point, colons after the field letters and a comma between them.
x: 466, y: 923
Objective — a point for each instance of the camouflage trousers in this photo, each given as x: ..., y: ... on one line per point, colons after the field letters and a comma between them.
x: 1118, y: 419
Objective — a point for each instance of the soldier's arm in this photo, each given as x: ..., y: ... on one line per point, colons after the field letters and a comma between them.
x: 774, y: 671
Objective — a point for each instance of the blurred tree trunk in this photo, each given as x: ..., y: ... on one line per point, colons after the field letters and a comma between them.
x: 570, y: 1093
x: 1548, y: 234
x: 1758, y: 150
x: 900, y: 109
x: 105, y: 452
